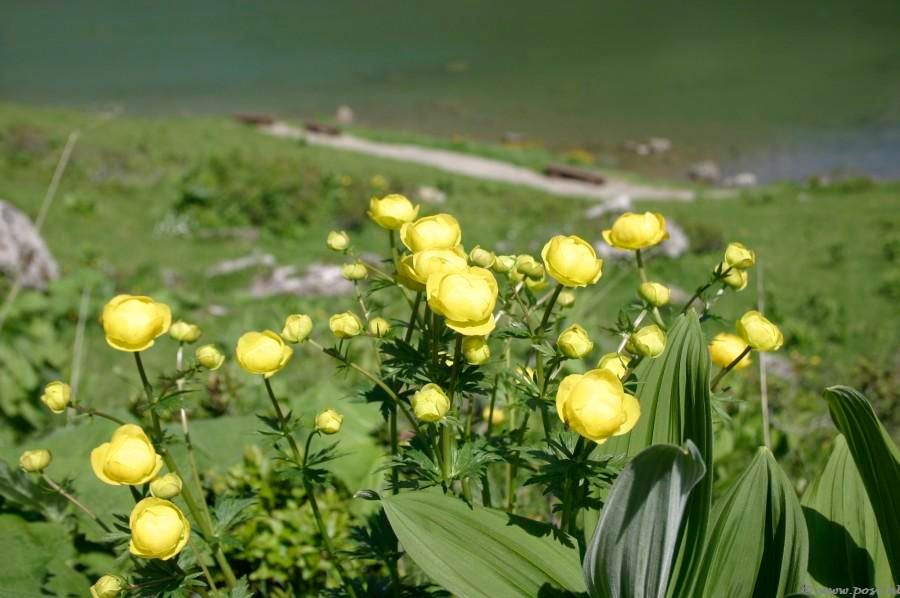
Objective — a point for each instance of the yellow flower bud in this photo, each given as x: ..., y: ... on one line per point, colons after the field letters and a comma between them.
x: 574, y: 342
x: 345, y: 325
x: 209, y: 357
x: 167, y: 486
x: 572, y: 261
x: 466, y: 299
x: 430, y: 404
x: 596, y: 405
x: 616, y: 363
x: 481, y: 257
x: 297, y: 328
x: 380, y: 182
x: 496, y: 418
x: 440, y: 231
x: 338, y: 241
x: 527, y: 265
x: 159, y: 530
x: 131, y: 323
x: 738, y: 256
x: 354, y: 271
x: 476, y: 350
x: 127, y: 459
x: 262, y: 353
x: 108, y: 586
x: 734, y: 278
x: 725, y: 348
x: 536, y: 284
x: 35, y: 461
x: 649, y: 341
x: 654, y: 293
x: 379, y: 327
x: 504, y: 263
x: 56, y: 396
x: 392, y: 211
x: 423, y: 264
x: 565, y: 299
x: 183, y: 332
x: 329, y: 422
x: 758, y: 332
x: 636, y: 231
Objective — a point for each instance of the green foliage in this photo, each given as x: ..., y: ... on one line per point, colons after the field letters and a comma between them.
x: 36, y: 557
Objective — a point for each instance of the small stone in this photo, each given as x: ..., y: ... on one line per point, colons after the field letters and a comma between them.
x: 22, y: 249
x: 344, y: 115
x: 704, y: 172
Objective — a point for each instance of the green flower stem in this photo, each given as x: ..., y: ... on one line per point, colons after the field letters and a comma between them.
x: 136, y: 494
x: 192, y: 460
x: 362, y: 301
x: 728, y: 368
x: 94, y: 413
x: 198, y: 509
x: 625, y: 337
x: 642, y: 272
x: 703, y: 288
x: 539, y: 362
x: 62, y: 492
x: 204, y: 568
x: 549, y: 309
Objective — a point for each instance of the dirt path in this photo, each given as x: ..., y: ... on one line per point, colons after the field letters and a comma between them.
x: 481, y: 168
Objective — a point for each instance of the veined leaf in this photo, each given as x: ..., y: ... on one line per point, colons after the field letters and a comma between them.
x: 634, y: 546
x: 758, y: 545
x: 481, y: 553
x: 845, y: 546
x: 877, y: 460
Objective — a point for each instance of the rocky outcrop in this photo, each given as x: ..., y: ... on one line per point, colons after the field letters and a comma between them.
x: 22, y: 249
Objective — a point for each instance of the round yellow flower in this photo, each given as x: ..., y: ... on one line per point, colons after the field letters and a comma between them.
x: 345, y: 325
x: 725, y: 348
x: 183, y: 332
x: 565, y: 299
x: 392, y: 211
x: 476, y: 350
x: 649, y: 341
x: 354, y: 271
x: 262, y: 353
x: 616, y: 363
x: 758, y: 332
x: 636, y: 231
x: 596, y: 405
x: 338, y: 241
x: 430, y: 403
x: 167, y: 486
x: 329, y: 422
x: 654, y: 293
x: 481, y: 257
x: 496, y: 418
x: 574, y: 342
x: 440, y: 231
x: 434, y: 261
x: 503, y: 264
x: 56, y: 396
x: 35, y: 461
x: 379, y: 327
x: 297, y: 328
x: 108, y: 586
x: 127, y: 459
x: 209, y: 357
x: 572, y: 261
x: 159, y: 530
x: 131, y: 322
x: 738, y: 256
x: 466, y: 299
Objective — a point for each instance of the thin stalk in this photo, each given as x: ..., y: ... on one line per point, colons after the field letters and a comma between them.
x: 728, y: 368
x: 413, y: 317
x: 94, y: 413
x: 550, y: 304
x: 763, y: 379
x: 78, y: 344
x: 192, y: 461
x: 362, y: 302
x: 203, y: 567
x: 62, y: 492
x: 702, y: 289
x: 625, y: 337
x: 642, y: 273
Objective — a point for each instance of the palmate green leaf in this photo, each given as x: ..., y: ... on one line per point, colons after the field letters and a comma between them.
x: 758, y: 544
x: 845, y: 546
x: 482, y: 553
x: 634, y: 546
x: 877, y: 460
x: 35, y: 557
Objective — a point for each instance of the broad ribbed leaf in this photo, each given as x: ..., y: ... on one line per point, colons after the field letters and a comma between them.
x: 758, y: 545
x: 845, y: 548
x: 481, y: 553
x: 634, y: 546
x: 877, y: 460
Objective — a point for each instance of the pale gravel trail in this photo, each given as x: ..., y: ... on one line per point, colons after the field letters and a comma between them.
x: 480, y: 168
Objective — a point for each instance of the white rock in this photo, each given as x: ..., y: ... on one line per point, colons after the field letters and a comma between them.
x: 616, y: 205
x: 743, y: 179
x: 659, y: 145
x: 23, y: 249
x: 704, y: 172
x: 344, y: 115
x: 431, y: 195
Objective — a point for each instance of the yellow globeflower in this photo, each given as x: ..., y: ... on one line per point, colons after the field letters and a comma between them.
x: 379, y: 327
x: 636, y: 231
x: 596, y: 405
x: 329, y: 422
x: 338, y: 241
x: 430, y: 403
x: 434, y: 261
x: 56, y: 396
x: 476, y: 350
x: 466, y: 299
x: 758, y: 332
x: 616, y: 363
x: 649, y: 341
x: 183, y: 332
x: 503, y: 264
x: 738, y: 256
x: 497, y: 417
x: 108, y: 586
x: 354, y: 271
x: 565, y: 299
x: 392, y: 211
x: 262, y: 353
x: 574, y: 342
x: 440, y: 231
x: 132, y: 322
x: 734, y: 278
x: 654, y: 293
x: 297, y: 328
x: 209, y: 357
x: 35, y: 461
x: 345, y: 325
x: 725, y: 348
x: 127, y: 459
x: 572, y: 261
x: 159, y: 530
x: 481, y: 257
x: 167, y: 486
